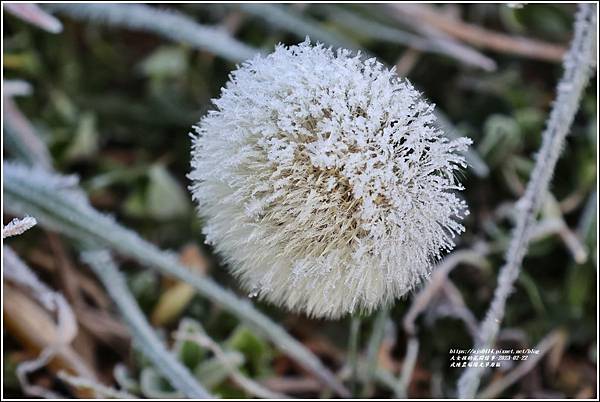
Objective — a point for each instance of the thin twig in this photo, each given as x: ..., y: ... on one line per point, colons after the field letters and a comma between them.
x: 407, y: 61
x: 420, y: 303
x: 416, y: 43
x: 408, y: 366
x: 101, y: 390
x: 179, y: 376
x: 551, y: 226
x: 577, y: 65
x: 292, y: 385
x: 481, y: 37
x: 440, y: 274
x: 543, y: 347
x: 457, y: 307
x: 19, y: 273
x: 443, y: 42
x: 551, y: 209
x: 572, y: 201
x: 381, y: 375
x: 552, y: 223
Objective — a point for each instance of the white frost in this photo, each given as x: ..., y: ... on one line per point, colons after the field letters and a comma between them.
x: 324, y: 182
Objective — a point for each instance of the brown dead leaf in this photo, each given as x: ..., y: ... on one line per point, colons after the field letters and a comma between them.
x: 179, y: 294
x: 35, y: 329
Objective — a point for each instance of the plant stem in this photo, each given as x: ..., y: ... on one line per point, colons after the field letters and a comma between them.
x: 353, y: 353
x: 577, y: 65
x: 408, y: 366
x: 373, y: 346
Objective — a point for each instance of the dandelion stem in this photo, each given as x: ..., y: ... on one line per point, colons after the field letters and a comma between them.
x: 353, y: 352
x: 577, y: 65
x: 377, y: 335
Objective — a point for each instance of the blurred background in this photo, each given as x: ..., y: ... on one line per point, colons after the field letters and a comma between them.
x: 114, y: 101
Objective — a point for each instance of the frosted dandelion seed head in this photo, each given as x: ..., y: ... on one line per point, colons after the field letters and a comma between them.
x: 324, y: 182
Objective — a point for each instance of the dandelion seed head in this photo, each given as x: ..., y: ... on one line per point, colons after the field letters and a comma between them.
x: 324, y: 182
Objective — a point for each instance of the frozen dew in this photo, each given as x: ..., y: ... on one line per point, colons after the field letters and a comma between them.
x: 324, y: 181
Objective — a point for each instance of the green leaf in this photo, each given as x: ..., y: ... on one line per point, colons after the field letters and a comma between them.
x: 64, y: 106
x: 213, y: 371
x: 144, y: 286
x: 578, y: 285
x: 502, y: 136
x: 85, y: 141
x: 135, y: 204
x: 255, y: 349
x: 533, y: 292
x: 165, y: 198
x: 188, y: 352
x: 166, y: 61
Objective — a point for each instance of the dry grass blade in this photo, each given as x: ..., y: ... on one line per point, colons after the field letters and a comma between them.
x: 439, y: 277
x: 555, y: 337
x: 179, y: 377
x: 20, y: 135
x: 169, y: 24
x: 284, y: 17
x: 408, y: 366
x: 34, y: 15
x: 481, y: 37
x: 101, y: 391
x: 444, y: 43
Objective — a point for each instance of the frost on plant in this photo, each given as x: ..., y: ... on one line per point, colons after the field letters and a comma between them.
x: 324, y: 182
x: 18, y: 226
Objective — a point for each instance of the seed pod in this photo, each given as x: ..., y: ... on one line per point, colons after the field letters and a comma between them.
x: 324, y: 182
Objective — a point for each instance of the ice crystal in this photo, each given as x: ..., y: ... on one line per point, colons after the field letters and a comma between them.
x: 324, y: 182
x: 18, y: 226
